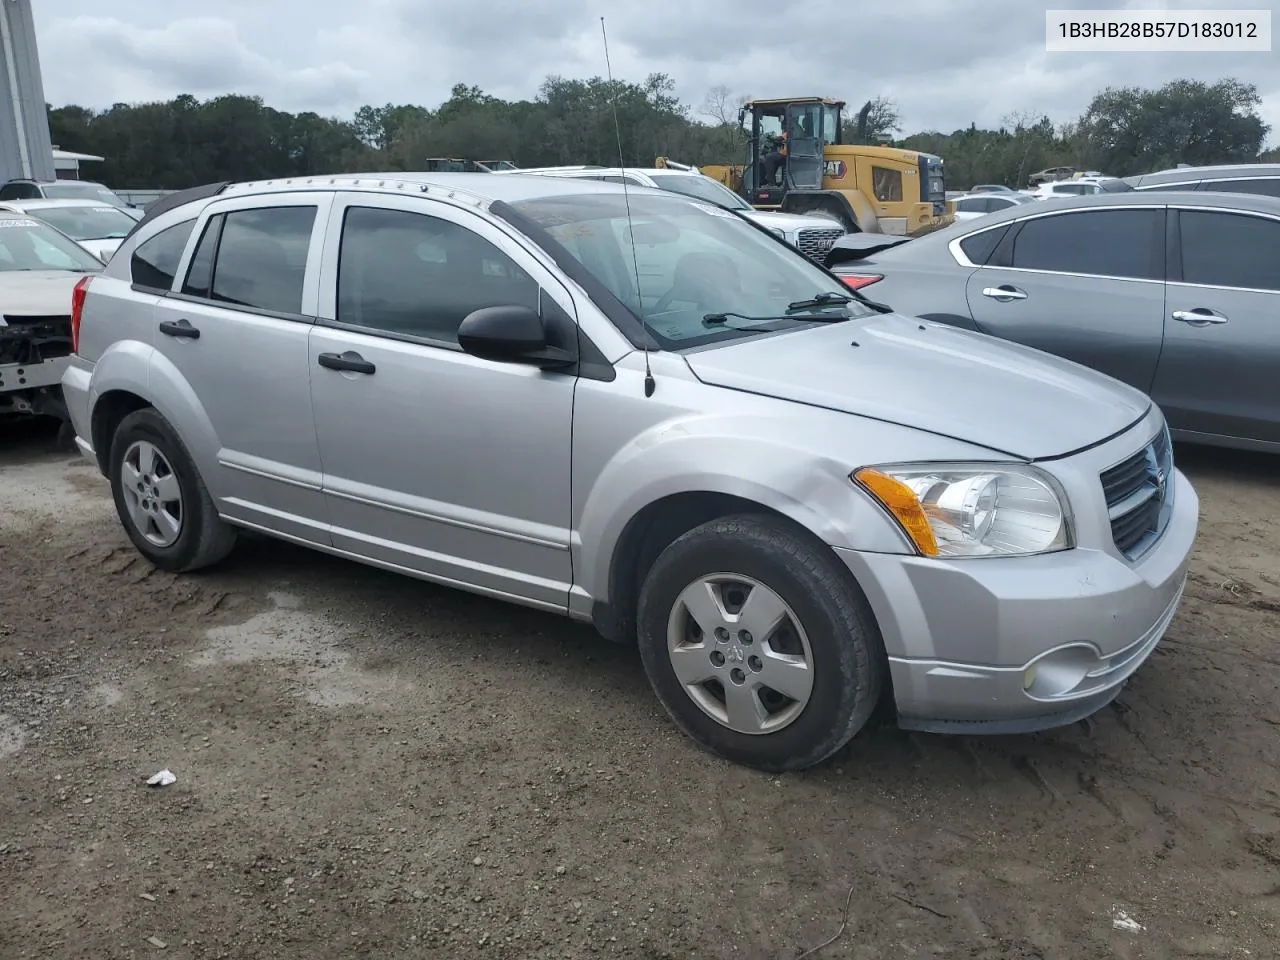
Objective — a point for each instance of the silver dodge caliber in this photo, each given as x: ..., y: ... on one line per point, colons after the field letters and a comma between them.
x: 643, y: 412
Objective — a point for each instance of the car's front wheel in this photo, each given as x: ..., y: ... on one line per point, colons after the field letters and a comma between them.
x: 161, y: 499
x: 759, y: 645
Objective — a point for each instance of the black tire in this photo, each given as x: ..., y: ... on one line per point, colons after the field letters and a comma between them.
x: 849, y: 664
x: 204, y: 538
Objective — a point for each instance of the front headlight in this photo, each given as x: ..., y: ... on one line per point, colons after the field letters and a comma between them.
x: 973, y: 509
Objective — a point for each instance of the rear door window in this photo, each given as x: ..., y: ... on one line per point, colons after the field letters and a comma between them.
x: 260, y: 260
x: 1104, y: 243
x: 1230, y: 250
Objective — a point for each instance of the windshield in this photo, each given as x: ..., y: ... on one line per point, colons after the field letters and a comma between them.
x: 703, y: 274
x: 78, y: 190
x: 27, y: 244
x: 702, y: 188
x: 88, y: 223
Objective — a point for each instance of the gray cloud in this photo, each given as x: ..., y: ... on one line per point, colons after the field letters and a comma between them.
x: 945, y: 65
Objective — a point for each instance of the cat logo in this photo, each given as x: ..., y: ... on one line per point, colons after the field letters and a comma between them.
x: 834, y: 169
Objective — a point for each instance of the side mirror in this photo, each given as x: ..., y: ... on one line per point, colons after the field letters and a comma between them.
x: 511, y: 334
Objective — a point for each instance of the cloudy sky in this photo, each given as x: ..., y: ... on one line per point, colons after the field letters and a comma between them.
x: 957, y: 62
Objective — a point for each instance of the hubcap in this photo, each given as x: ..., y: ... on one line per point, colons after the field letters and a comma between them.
x: 740, y: 653
x: 152, y: 496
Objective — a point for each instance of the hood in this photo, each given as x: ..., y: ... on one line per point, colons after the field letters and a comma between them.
x: 37, y: 293
x: 102, y: 249
x: 957, y: 383
x: 790, y: 221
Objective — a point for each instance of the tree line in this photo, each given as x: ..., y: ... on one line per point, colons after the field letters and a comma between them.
x: 184, y: 142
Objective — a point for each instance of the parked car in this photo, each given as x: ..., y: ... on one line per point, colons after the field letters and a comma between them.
x: 811, y: 234
x: 1259, y: 178
x: 972, y: 205
x: 992, y: 188
x: 39, y: 268
x: 793, y: 501
x: 98, y: 227
x: 1066, y: 188
x: 20, y: 189
x: 1176, y: 294
x: 1051, y: 175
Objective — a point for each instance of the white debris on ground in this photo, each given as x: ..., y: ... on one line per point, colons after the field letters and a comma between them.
x: 161, y: 779
x: 1122, y: 921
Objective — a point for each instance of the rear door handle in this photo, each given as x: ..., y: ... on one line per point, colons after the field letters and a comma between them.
x: 1199, y: 316
x: 179, y: 328
x: 1004, y: 292
x: 346, y: 361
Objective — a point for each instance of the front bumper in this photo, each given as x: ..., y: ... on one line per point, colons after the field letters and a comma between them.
x: 962, y: 635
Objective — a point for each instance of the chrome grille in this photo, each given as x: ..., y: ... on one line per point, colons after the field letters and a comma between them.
x: 815, y: 242
x: 1139, y: 498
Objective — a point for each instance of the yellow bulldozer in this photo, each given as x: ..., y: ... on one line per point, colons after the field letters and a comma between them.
x: 798, y: 163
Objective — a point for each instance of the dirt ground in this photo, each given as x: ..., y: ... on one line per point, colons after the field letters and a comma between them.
x: 370, y: 766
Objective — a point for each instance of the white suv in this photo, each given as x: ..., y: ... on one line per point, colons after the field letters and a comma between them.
x: 811, y: 234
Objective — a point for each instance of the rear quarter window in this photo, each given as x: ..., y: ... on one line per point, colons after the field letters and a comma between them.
x: 154, y: 263
x: 978, y: 247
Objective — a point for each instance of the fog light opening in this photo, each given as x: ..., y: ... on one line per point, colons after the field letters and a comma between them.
x: 1059, y: 674
x: 1029, y: 677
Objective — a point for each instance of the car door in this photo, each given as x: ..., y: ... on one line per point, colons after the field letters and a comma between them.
x: 235, y: 333
x: 1218, y: 370
x: 1085, y: 284
x: 436, y: 461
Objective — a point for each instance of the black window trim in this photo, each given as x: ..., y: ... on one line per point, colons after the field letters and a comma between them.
x: 145, y: 288
x: 1006, y: 243
x: 221, y: 217
x: 592, y: 363
x: 1175, y: 236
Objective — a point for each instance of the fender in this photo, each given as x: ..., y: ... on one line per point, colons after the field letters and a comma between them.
x: 126, y: 364
x: 710, y: 456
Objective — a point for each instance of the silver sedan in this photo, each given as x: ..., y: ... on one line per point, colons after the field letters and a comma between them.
x: 1174, y: 293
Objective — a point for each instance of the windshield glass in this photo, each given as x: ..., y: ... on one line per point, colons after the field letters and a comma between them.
x: 693, y: 261
x: 27, y: 244
x: 88, y: 223
x: 703, y: 188
x: 77, y: 190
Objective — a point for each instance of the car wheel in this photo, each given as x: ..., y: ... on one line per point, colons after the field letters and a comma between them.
x: 161, y: 499
x: 759, y: 644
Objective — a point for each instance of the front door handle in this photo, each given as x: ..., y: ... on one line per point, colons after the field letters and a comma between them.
x: 346, y: 361
x: 1004, y: 293
x: 179, y: 328
x: 1199, y: 316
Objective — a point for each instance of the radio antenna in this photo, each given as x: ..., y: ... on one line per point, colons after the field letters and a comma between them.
x: 649, y: 382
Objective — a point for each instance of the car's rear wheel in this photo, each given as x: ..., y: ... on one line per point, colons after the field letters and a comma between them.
x: 161, y: 499
x: 759, y: 645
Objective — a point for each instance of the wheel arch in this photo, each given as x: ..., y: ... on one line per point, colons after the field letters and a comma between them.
x: 659, y: 524
x: 132, y: 375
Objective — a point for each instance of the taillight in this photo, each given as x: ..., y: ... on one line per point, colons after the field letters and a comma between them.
x: 77, y: 308
x: 856, y: 281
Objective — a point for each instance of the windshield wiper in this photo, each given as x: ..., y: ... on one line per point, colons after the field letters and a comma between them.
x: 819, y: 300
x: 828, y: 298
x: 716, y: 319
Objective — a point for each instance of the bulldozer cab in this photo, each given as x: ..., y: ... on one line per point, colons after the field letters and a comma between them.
x: 803, y: 127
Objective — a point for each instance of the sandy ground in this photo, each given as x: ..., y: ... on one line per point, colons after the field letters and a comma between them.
x: 372, y: 767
